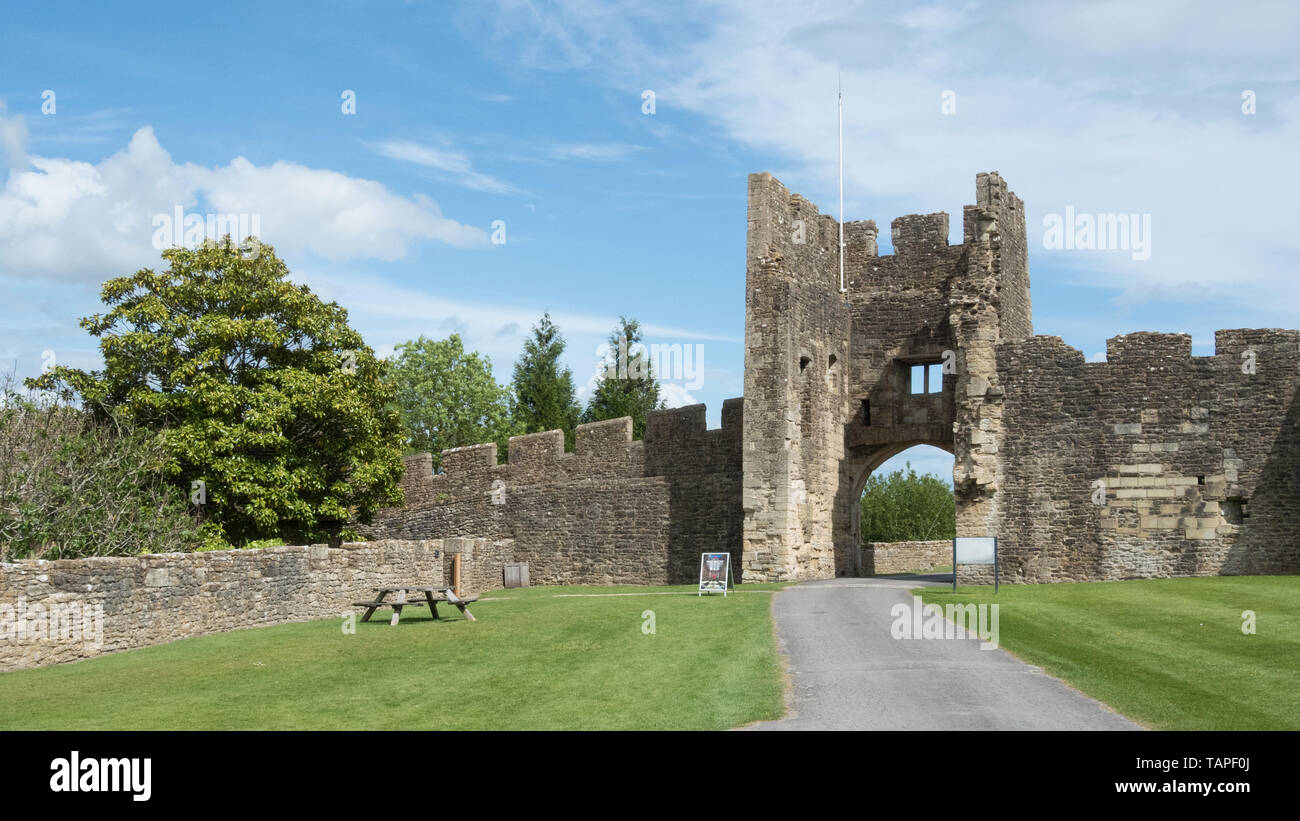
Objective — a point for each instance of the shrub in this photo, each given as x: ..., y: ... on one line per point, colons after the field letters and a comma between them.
x: 72, y: 486
x: 906, y: 507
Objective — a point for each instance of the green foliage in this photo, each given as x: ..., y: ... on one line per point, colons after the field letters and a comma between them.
x: 628, y: 386
x: 906, y: 507
x: 259, y: 389
x: 544, y: 394
x: 448, y: 398
x: 72, y: 486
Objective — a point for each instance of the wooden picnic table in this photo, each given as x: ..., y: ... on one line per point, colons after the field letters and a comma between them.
x: 445, y: 594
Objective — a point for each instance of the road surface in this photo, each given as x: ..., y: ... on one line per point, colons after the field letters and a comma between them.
x: 849, y: 673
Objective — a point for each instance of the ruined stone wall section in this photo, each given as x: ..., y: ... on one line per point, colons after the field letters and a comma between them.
x: 1000, y: 214
x: 1154, y: 463
x: 615, y: 510
x: 977, y: 395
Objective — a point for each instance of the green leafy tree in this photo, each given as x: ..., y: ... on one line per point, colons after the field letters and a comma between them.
x: 906, y: 507
x: 448, y: 397
x: 274, y: 414
x: 543, y: 388
x: 72, y: 486
x: 628, y: 386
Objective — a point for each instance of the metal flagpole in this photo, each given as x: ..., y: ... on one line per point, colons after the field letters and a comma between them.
x: 840, y: 111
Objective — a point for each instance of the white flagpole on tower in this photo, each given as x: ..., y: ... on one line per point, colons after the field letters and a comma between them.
x: 840, y: 110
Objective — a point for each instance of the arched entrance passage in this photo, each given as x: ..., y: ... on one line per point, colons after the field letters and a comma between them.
x: 859, y: 463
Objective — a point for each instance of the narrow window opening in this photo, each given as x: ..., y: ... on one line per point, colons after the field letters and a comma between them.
x: 866, y: 412
x: 926, y: 378
x: 934, y: 378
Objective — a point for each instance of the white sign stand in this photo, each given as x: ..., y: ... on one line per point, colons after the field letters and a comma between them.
x: 711, y: 565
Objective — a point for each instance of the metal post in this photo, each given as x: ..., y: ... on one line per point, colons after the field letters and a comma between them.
x: 995, y: 565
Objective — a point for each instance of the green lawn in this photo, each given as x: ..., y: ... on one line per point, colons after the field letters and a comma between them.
x: 532, y: 661
x: 1168, y: 653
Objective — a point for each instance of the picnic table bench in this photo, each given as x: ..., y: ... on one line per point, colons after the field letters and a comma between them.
x: 446, y: 595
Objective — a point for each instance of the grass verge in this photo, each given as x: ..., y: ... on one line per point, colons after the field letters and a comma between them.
x: 533, y: 660
x: 1168, y: 653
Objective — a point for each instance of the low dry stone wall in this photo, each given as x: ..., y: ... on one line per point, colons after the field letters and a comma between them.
x: 66, y: 610
x: 883, y: 558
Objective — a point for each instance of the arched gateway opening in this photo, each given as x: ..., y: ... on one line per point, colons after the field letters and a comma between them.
x: 860, y: 463
x: 914, y: 544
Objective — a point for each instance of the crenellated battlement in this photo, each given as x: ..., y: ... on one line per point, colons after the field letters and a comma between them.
x: 615, y: 510
x: 775, y: 216
x: 677, y: 442
x: 1144, y: 352
x: 1148, y: 346
x: 920, y: 233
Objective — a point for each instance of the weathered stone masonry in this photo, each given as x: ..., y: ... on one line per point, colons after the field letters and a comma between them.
x: 884, y: 558
x: 615, y: 511
x: 1153, y: 463
x: 1194, y: 462
x: 146, y: 600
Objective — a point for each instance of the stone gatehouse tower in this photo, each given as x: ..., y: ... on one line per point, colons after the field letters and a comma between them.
x: 1152, y: 463
x: 828, y: 375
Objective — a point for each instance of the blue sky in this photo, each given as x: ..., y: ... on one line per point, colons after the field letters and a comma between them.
x: 531, y: 114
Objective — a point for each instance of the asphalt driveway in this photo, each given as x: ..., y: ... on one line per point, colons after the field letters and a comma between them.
x: 849, y: 673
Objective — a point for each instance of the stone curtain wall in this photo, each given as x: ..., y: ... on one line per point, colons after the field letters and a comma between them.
x: 147, y: 600
x: 615, y: 511
x: 1154, y: 463
x: 884, y: 558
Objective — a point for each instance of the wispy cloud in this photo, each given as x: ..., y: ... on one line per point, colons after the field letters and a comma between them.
x: 1137, y: 97
x: 392, y: 302
x: 455, y: 165
x: 595, y: 152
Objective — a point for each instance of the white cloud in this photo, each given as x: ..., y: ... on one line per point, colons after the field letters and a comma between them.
x: 1110, y: 107
x: 595, y: 152
x: 71, y: 220
x: 676, y: 396
x: 13, y: 140
x: 455, y: 164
